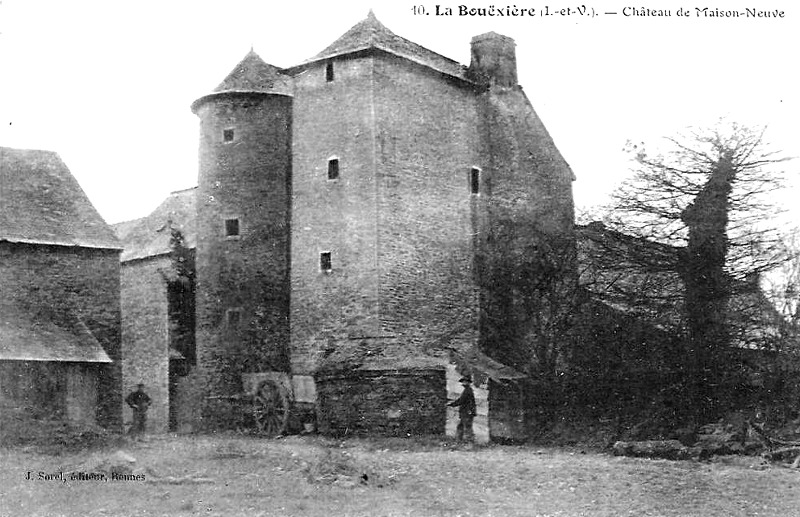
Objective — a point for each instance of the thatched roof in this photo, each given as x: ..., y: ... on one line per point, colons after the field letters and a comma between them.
x: 39, y: 334
x: 370, y: 33
x: 42, y: 203
x: 150, y: 236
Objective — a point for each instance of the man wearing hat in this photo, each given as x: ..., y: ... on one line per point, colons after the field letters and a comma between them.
x: 466, y: 411
x: 139, y: 402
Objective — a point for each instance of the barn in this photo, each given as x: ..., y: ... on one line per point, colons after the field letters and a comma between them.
x: 59, y: 309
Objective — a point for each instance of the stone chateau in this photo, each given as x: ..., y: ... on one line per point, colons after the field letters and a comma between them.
x: 349, y: 214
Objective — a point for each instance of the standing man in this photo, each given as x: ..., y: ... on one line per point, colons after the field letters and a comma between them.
x: 139, y: 402
x: 466, y: 411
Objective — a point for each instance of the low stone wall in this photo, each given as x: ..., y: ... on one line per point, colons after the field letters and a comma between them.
x: 382, y: 402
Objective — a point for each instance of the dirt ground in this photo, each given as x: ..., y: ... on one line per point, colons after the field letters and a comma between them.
x: 310, y: 476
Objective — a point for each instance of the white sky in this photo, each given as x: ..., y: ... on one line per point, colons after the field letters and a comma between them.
x: 108, y: 84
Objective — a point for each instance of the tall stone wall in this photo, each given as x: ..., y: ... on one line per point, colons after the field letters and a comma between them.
x: 333, y: 119
x: 427, y: 143
x: 243, y: 280
x: 403, y: 403
x: 83, y: 281
x: 526, y: 247
x: 398, y: 221
x: 145, y: 336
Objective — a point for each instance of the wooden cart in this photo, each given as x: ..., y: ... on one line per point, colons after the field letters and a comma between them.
x: 263, y: 405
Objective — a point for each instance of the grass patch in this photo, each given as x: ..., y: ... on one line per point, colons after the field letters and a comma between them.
x: 314, y: 476
x: 341, y: 468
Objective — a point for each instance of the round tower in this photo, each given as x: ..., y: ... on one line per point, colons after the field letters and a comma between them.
x: 243, y: 226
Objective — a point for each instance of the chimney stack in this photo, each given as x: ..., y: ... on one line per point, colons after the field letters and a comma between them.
x: 494, y: 60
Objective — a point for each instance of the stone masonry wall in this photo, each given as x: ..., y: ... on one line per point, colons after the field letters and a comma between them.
x: 427, y: 144
x: 333, y: 119
x: 145, y: 337
x: 528, y: 206
x: 186, y: 399
x: 84, y: 281
x: 382, y: 402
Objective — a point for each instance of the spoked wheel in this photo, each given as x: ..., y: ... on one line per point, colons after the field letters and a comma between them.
x: 270, y: 409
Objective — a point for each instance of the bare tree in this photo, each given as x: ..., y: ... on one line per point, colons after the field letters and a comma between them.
x: 708, y: 195
x: 782, y: 286
x: 653, y: 203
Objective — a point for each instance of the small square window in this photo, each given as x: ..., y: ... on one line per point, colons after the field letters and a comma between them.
x: 325, y: 264
x: 231, y: 227
x: 233, y: 317
x: 227, y: 135
x: 475, y: 181
x: 333, y: 169
x: 329, y: 72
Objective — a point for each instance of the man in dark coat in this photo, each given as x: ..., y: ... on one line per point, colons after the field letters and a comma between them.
x: 139, y: 401
x: 466, y: 411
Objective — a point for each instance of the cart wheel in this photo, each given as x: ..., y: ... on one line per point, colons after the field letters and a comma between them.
x: 270, y: 409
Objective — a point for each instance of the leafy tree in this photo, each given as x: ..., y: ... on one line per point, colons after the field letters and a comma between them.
x: 181, y: 283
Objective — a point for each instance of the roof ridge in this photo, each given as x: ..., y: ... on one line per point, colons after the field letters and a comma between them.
x: 370, y: 33
x: 182, y: 190
x: 20, y: 149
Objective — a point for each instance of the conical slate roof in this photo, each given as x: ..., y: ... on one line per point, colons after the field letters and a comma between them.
x: 253, y: 74
x: 371, y: 33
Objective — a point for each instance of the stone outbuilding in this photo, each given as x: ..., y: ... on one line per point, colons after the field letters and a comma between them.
x: 157, y: 276
x: 59, y: 308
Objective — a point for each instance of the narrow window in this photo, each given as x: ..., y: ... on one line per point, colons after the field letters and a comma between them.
x: 231, y: 227
x: 475, y: 181
x: 227, y: 135
x: 333, y: 169
x: 325, y: 262
x: 233, y: 317
x: 329, y: 72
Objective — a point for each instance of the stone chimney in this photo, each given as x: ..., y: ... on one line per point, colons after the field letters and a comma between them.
x: 494, y: 60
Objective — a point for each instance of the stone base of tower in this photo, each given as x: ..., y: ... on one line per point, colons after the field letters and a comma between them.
x: 382, y: 402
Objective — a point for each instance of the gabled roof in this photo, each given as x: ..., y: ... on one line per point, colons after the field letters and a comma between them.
x: 42, y: 203
x: 31, y: 334
x: 150, y: 236
x: 370, y: 33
